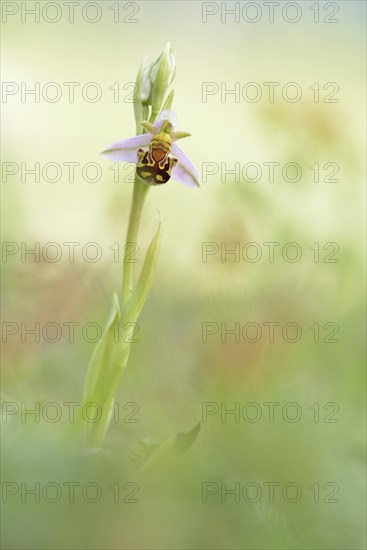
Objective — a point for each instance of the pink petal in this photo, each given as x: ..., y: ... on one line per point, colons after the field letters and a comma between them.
x: 166, y: 115
x: 125, y: 150
x: 184, y: 172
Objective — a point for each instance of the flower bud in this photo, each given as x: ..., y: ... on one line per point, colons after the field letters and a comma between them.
x: 141, y: 108
x: 146, y: 84
x: 156, y: 78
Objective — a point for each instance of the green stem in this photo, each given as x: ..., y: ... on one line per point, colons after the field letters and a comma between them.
x: 139, y: 194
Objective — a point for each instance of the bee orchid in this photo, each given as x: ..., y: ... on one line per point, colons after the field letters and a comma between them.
x: 156, y: 154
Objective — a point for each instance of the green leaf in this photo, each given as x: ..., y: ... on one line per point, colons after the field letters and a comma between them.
x: 102, y: 351
x: 184, y: 440
x: 158, y: 455
x: 138, y: 298
x: 110, y: 357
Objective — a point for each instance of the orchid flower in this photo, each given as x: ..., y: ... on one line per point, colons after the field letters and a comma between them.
x: 156, y: 153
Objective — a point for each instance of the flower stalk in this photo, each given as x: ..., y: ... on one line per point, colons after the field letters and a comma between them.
x: 139, y: 194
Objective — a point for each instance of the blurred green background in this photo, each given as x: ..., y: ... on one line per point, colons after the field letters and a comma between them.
x: 171, y: 371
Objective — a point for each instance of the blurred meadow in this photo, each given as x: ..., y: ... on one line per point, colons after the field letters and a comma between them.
x: 177, y: 367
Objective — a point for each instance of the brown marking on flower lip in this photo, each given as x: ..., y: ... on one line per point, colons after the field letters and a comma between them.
x: 158, y: 154
x: 153, y: 175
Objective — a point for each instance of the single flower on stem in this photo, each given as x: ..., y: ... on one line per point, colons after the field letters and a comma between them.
x: 156, y: 153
